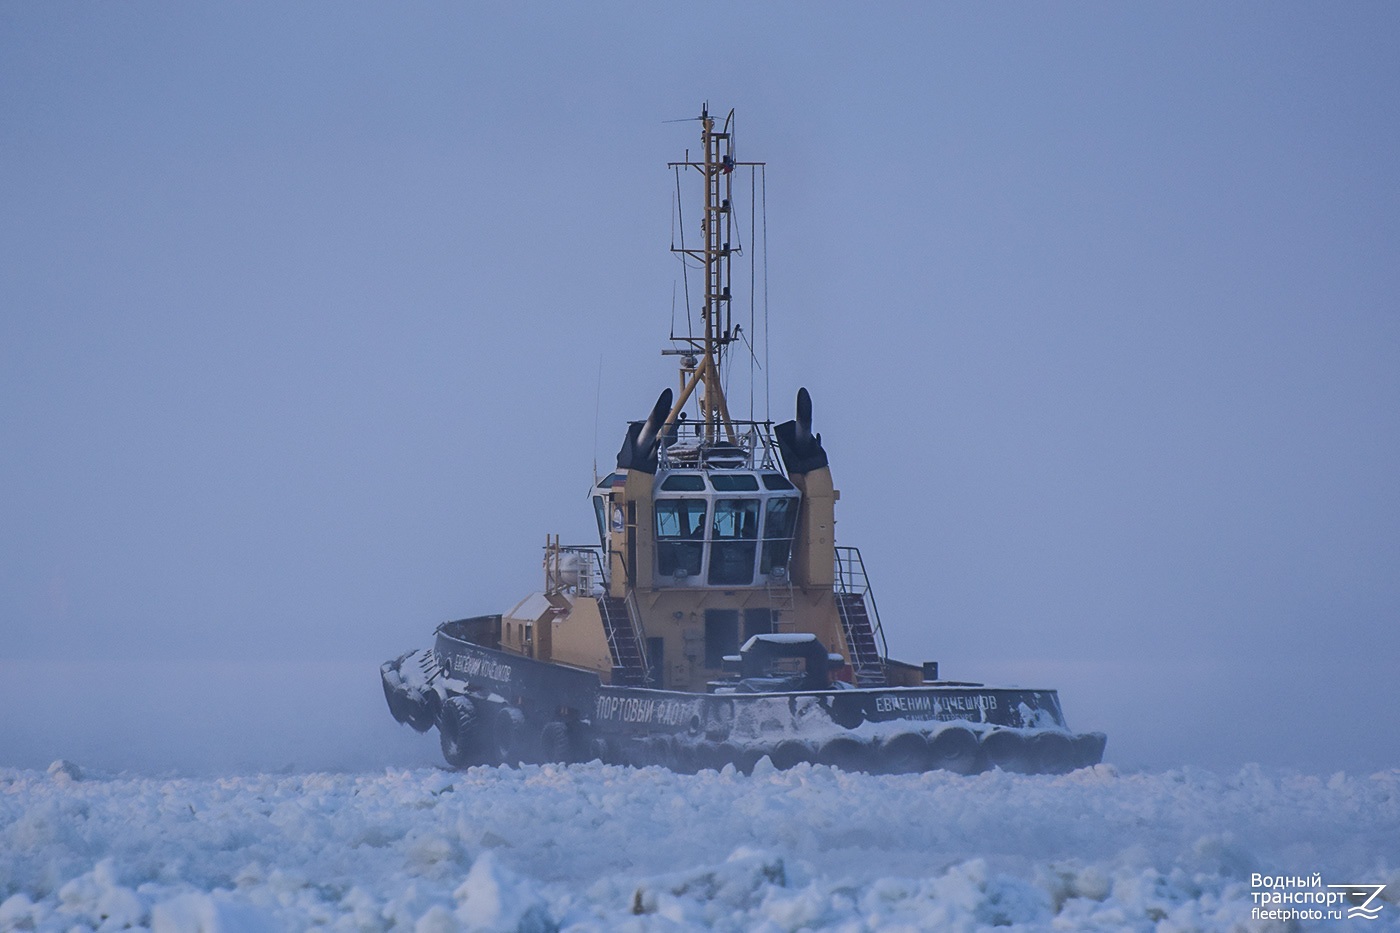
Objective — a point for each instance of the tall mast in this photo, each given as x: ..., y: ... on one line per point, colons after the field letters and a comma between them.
x: 702, y: 362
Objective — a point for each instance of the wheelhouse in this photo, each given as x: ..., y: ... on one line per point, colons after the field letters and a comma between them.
x: 713, y: 528
x: 724, y: 528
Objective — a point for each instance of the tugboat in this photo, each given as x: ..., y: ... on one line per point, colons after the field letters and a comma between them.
x: 716, y: 621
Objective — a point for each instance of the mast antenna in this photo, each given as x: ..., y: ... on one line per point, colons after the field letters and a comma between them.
x: 597, y: 407
x: 703, y: 366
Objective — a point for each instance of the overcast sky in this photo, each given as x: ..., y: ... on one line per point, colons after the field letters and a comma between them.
x: 303, y: 310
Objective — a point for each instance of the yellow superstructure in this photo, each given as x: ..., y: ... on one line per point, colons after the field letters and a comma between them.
x: 711, y: 530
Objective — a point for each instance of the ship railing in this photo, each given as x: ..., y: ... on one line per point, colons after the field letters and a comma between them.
x: 851, y: 578
x: 754, y: 448
x: 575, y: 568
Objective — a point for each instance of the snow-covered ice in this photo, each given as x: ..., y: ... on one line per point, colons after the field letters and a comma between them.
x: 594, y: 847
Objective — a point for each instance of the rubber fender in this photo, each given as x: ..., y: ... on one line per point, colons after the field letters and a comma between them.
x: 709, y: 756
x: 459, y: 730
x: 659, y: 750
x: 1053, y: 753
x: 1089, y: 748
x: 789, y: 753
x: 392, y: 680
x: 956, y: 749
x: 610, y: 750
x: 599, y: 750
x: 555, y: 744
x: 1008, y: 750
x: 742, y: 757
x: 690, y: 757
x: 508, y: 734
x: 906, y: 753
x: 424, y: 708
x: 415, y: 706
x: 847, y: 753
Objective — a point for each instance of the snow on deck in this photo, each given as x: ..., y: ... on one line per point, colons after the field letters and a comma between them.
x: 595, y: 847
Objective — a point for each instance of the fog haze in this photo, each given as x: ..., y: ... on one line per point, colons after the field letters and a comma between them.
x: 313, y: 322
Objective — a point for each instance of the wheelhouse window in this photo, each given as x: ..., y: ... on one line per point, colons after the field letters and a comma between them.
x: 600, y: 511
x: 683, y: 482
x: 776, y: 481
x: 680, y: 536
x: 778, y: 524
x: 723, y: 527
x: 734, y: 542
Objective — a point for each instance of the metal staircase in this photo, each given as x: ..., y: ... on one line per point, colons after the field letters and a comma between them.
x: 860, y: 619
x: 620, y: 623
x: 860, y: 640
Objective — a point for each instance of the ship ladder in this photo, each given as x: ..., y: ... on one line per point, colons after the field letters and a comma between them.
x: 869, y: 668
x: 782, y: 604
x: 628, y: 657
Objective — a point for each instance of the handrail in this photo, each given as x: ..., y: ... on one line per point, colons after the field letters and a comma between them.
x: 592, y: 568
x: 852, y: 578
x: 634, y: 618
x: 756, y: 443
x: 583, y: 586
x: 633, y: 621
x: 609, y: 629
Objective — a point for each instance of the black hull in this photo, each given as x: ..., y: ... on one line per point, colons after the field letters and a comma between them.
x: 493, y: 707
